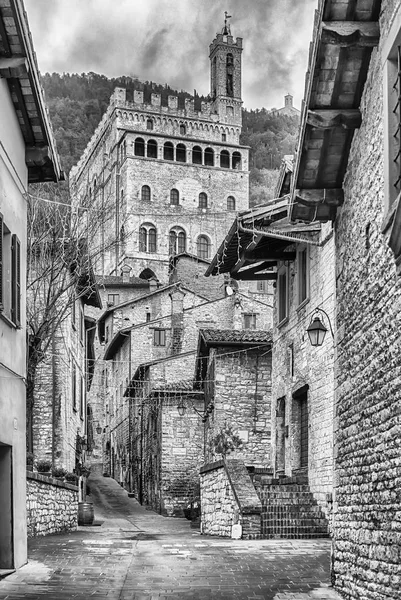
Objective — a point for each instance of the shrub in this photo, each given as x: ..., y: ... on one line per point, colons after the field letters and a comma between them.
x: 71, y: 478
x: 43, y: 466
x: 59, y: 472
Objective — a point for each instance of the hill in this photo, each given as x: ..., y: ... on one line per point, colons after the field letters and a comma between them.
x: 77, y: 103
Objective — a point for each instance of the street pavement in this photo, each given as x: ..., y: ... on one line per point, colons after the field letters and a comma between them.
x: 134, y: 554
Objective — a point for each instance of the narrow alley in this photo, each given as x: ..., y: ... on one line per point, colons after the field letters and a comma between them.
x: 134, y: 554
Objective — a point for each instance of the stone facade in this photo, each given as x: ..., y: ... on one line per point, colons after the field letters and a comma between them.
x: 229, y: 504
x: 52, y: 505
x: 367, y: 507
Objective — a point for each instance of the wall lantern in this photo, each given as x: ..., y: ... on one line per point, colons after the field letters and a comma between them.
x: 317, y: 329
x: 181, y: 408
x: 98, y: 428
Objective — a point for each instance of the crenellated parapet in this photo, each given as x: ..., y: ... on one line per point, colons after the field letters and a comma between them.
x: 119, y: 98
x: 226, y: 40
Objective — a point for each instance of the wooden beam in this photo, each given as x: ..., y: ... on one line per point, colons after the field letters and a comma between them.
x: 351, y: 33
x: 260, y: 254
x: 4, y: 37
x: 244, y: 277
x: 348, y: 118
x: 17, y: 66
x: 333, y: 197
x: 15, y: 88
x: 253, y: 270
x: 36, y: 155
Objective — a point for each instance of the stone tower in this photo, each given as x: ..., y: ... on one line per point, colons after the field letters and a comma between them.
x: 225, y: 76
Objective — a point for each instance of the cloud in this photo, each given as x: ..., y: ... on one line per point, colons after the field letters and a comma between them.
x: 167, y: 41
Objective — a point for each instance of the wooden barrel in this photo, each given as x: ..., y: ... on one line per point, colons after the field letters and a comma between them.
x: 86, y: 513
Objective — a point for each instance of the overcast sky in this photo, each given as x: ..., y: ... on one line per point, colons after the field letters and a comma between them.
x: 167, y: 41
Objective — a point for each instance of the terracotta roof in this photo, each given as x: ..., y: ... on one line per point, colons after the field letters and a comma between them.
x: 221, y: 337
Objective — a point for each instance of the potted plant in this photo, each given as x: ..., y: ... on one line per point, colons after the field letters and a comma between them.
x: 59, y: 473
x: 44, y: 466
x: 71, y: 478
x: 86, y: 513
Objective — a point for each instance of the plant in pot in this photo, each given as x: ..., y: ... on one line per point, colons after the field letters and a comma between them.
x: 59, y: 473
x: 86, y: 513
x: 44, y: 467
x: 71, y: 478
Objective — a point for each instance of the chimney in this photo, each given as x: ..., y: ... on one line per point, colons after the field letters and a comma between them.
x: 125, y: 273
x: 152, y: 284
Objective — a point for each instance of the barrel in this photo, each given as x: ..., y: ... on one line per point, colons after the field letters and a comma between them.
x: 86, y: 513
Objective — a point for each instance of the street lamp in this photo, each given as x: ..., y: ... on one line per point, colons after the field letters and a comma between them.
x: 98, y: 428
x: 181, y: 408
x: 317, y: 329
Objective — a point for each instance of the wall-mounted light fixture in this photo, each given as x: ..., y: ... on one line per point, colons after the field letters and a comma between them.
x: 98, y: 428
x: 317, y: 329
x: 181, y: 408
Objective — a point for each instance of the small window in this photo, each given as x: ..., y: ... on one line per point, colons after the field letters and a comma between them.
x: 197, y: 155
x: 224, y: 159
x: 181, y: 153
x: 237, y: 161
x: 209, y: 157
x: 223, y: 137
x: 148, y: 315
x: 202, y: 200
x: 303, y: 275
x: 183, y: 129
x: 159, y: 337
x: 203, y: 247
x: 145, y: 193
x: 74, y: 386
x: 168, y: 151
x: 139, y: 147
x: 149, y: 124
x: 151, y: 149
x: 249, y: 320
x: 230, y: 203
x: 282, y: 290
x: 147, y: 238
x: 113, y: 299
x: 261, y: 285
x: 177, y: 241
x: 174, y: 197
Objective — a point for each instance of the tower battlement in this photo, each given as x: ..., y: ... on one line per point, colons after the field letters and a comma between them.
x: 119, y: 98
x: 226, y: 40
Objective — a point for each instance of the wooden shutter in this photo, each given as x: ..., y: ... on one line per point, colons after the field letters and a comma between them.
x: 1, y: 261
x: 15, y: 280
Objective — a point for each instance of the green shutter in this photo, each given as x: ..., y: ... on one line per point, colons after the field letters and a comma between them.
x: 15, y: 280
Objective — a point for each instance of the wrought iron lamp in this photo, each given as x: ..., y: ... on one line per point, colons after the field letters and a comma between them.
x: 181, y: 408
x: 98, y: 428
x: 317, y: 329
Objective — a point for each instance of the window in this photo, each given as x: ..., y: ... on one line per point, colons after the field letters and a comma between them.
x: 230, y: 203
x: 151, y: 149
x: 147, y: 238
x: 177, y: 241
x: 113, y: 299
x: 230, y: 74
x: 168, y: 151
x: 107, y: 334
x: 183, y: 129
x: 145, y: 193
x: 197, y: 155
x: 282, y: 291
x: 249, y: 320
x: 237, y: 161
x: 223, y: 137
x: 81, y: 323
x: 159, y: 337
x: 209, y: 157
x: 224, y: 159
x: 303, y: 275
x: 10, y: 274
x: 74, y: 386
x: 149, y: 124
x: 203, y: 246
x: 202, y: 200
x: 174, y: 197
x: 139, y: 147
x: 181, y: 153
x: 81, y: 397
x: 148, y: 315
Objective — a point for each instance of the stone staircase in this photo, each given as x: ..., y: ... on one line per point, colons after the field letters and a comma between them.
x: 289, y: 509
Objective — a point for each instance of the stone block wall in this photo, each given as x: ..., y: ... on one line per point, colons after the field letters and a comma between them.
x: 52, y: 505
x: 367, y: 502
x: 228, y: 498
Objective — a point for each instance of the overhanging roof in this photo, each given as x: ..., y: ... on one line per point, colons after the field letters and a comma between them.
x: 18, y: 66
x: 345, y: 32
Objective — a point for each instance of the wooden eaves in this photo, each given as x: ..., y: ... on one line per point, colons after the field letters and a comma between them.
x: 345, y: 33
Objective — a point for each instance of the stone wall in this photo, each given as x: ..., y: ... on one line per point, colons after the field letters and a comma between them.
x: 367, y: 507
x: 52, y: 505
x: 228, y: 498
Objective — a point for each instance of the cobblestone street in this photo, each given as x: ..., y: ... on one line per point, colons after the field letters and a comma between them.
x: 131, y: 553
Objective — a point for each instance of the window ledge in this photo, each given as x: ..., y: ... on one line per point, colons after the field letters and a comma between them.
x: 303, y: 304
x: 10, y: 323
x: 283, y: 322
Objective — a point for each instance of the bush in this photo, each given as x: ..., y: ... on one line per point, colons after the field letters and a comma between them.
x: 71, y: 478
x: 59, y: 472
x: 29, y: 460
x: 43, y: 466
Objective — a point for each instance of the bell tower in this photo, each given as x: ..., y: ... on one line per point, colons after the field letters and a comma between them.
x: 225, y: 76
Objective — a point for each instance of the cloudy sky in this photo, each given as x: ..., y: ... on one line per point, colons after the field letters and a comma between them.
x: 167, y: 41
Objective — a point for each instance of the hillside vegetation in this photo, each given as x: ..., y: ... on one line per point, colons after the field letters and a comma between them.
x: 77, y: 103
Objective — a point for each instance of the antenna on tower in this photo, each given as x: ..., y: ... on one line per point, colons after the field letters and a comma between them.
x: 226, y: 29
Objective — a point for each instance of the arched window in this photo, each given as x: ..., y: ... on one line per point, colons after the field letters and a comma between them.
x: 237, y: 160
x: 209, y: 157
x: 202, y: 200
x: 147, y: 238
x: 183, y: 129
x: 230, y: 203
x: 181, y: 153
x: 168, y: 151
x: 151, y: 150
x: 203, y: 246
x: 147, y: 274
x: 174, y: 197
x: 224, y: 159
x: 139, y: 147
x: 177, y: 240
x: 145, y: 193
x: 197, y: 155
x: 149, y: 124
x: 230, y: 74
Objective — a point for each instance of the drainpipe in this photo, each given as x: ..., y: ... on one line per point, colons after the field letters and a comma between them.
x: 54, y: 395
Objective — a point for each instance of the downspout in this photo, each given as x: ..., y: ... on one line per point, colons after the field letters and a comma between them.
x: 54, y: 395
